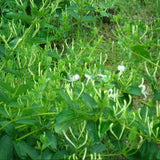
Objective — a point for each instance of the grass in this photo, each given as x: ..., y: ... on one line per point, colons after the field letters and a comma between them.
x: 79, y: 79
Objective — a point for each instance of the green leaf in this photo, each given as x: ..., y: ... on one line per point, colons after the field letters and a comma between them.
x: 139, y: 124
x: 149, y: 151
x: 134, y: 90
x: 13, y: 42
x: 18, y: 146
x: 66, y: 98
x: 147, y: 78
x: 156, y: 96
x: 16, y: 16
x: 98, y: 148
x: 92, y: 130
x: 9, y: 128
x: 133, y: 136
x: 34, y: 109
x: 73, y: 14
x: 104, y: 127
x: 143, y: 112
x: 6, y: 148
x: 6, y: 86
x: 23, y: 149
x: 133, y: 154
x: 24, y: 87
x: 47, y: 155
x: 2, y: 51
x: 88, y: 100
x: 140, y: 50
x: 14, y: 105
x: 60, y: 155
x: 151, y: 111
x: 12, y: 71
x: 51, y: 138
x: 88, y: 19
x: 89, y: 8
x: 158, y: 155
x: 41, y: 40
x: 3, y: 112
x: 105, y: 14
x: 54, y: 55
x: 27, y: 121
x: 64, y: 120
x: 3, y: 97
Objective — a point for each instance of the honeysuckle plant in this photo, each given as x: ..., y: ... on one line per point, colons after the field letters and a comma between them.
x: 76, y: 83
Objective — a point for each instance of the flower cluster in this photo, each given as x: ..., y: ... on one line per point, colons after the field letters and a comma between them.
x: 101, y: 77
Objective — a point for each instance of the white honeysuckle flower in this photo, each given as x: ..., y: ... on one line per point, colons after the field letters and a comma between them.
x: 74, y: 77
x: 89, y: 77
x: 101, y: 75
x: 143, y: 89
x: 104, y: 77
x: 111, y: 94
x: 121, y: 68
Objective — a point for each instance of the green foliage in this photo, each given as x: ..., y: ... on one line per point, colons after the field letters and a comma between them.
x: 64, y: 120
x: 79, y: 79
x: 6, y: 147
x: 134, y: 90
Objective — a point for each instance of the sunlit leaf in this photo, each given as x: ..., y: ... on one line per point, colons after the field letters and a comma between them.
x: 133, y: 136
x: 88, y: 100
x: 140, y: 50
x: 64, y: 120
x: 66, y: 98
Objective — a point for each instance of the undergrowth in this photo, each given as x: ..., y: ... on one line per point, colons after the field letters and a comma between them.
x: 79, y: 79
